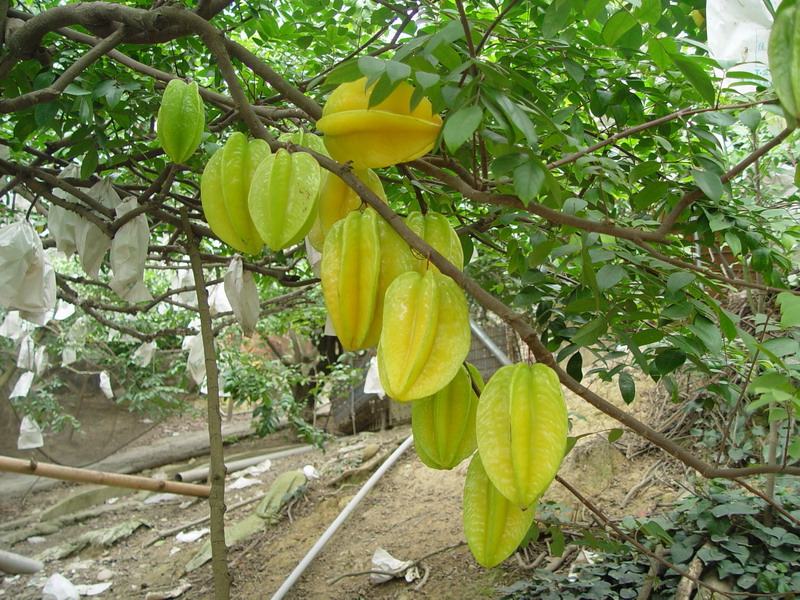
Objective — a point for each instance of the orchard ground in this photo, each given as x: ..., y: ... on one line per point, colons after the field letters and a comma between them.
x: 412, y: 512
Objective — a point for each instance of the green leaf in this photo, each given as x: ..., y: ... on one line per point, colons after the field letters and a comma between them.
x: 528, y: 180
x: 397, y: 71
x: 708, y: 333
x: 679, y: 280
x: 556, y: 541
x: 669, y: 360
x: 371, y: 67
x: 709, y: 183
x: 460, y: 126
x: 555, y: 18
x: 614, y: 435
x: 618, y: 25
x: 750, y: 117
x: 609, y: 275
x: 650, y: 11
x: 697, y: 76
x: 790, y: 309
x: 627, y: 387
x: 590, y: 332
x: 89, y: 163
x: 575, y: 366
x: 425, y: 79
x: 44, y: 113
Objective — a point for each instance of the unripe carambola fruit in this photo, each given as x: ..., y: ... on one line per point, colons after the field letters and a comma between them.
x: 307, y: 140
x: 522, y: 430
x: 181, y: 120
x: 425, y: 335
x: 383, y: 135
x: 283, y: 197
x: 436, y: 230
x: 361, y: 257
x: 224, y: 188
x: 444, y: 423
x: 337, y: 200
x: 493, y: 526
x: 784, y: 56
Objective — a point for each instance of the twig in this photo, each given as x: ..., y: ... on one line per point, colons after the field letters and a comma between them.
x: 164, y: 534
x: 652, y: 574
x: 424, y: 579
x: 687, y: 582
x: 647, y: 479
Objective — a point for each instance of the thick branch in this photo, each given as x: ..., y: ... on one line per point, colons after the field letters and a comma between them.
x: 53, y: 91
x: 532, y: 340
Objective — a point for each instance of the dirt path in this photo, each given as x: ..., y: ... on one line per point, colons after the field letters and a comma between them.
x: 412, y: 512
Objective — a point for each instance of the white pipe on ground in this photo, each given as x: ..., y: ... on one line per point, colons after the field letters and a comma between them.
x: 11, y: 562
x: 295, y: 575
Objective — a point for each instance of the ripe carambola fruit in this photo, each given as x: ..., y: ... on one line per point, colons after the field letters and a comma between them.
x: 224, y: 187
x: 522, y: 430
x: 425, y: 335
x: 378, y: 136
x: 444, y: 423
x: 493, y: 526
x: 436, y: 230
x: 784, y: 56
x: 283, y: 197
x: 361, y: 257
x: 181, y: 120
x: 337, y: 200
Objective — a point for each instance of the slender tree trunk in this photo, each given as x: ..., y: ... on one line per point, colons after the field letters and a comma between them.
x: 772, y: 459
x: 216, y: 501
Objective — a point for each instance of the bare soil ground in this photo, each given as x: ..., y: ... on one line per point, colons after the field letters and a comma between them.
x: 412, y: 512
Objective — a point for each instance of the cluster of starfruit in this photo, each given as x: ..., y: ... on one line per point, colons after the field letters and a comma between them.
x: 250, y: 196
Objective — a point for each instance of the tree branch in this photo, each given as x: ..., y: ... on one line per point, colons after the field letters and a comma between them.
x: 53, y: 91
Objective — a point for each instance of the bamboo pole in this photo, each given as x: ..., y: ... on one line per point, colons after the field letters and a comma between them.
x: 33, y: 467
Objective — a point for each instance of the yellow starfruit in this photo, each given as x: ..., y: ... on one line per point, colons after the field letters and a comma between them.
x: 283, y: 197
x: 444, y: 423
x: 337, y: 200
x: 378, y: 136
x: 224, y: 187
x: 493, y: 526
x: 522, y: 430
x: 361, y: 257
x: 436, y: 230
x: 425, y: 335
x: 181, y: 120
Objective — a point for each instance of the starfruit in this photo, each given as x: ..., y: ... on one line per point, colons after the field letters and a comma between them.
x: 224, y: 187
x: 425, y: 335
x: 444, y: 423
x: 283, y: 197
x: 783, y: 51
x: 436, y: 230
x: 522, y: 430
x: 181, y: 120
x: 337, y: 200
x: 361, y: 257
x: 493, y: 526
x: 307, y: 140
x: 379, y: 136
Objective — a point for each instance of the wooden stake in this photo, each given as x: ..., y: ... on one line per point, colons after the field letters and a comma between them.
x: 32, y: 467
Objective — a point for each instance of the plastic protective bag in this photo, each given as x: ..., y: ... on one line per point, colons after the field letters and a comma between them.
x: 23, y: 385
x: 91, y: 242
x: 27, y: 279
x: 242, y: 295
x: 144, y: 354
x: 196, y: 363
x: 59, y: 587
x: 183, y: 278
x: 105, y: 385
x: 15, y: 327
x: 26, y: 358
x: 372, y: 382
x: 738, y: 32
x: 30, y: 435
x: 129, y: 255
x: 217, y: 300
x: 62, y: 222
